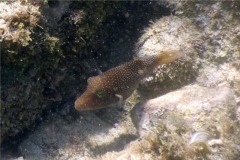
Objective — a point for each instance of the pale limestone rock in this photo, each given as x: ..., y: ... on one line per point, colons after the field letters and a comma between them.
x: 167, y: 123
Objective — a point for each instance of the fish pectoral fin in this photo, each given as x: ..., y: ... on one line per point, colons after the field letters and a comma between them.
x: 120, y: 101
x: 119, y: 96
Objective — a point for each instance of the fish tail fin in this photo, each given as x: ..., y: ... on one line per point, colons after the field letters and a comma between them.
x: 166, y: 57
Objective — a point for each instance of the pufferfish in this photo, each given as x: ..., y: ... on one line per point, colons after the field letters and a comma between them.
x: 117, y: 84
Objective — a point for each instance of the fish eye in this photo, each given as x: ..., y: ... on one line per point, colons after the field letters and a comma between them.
x: 100, y: 93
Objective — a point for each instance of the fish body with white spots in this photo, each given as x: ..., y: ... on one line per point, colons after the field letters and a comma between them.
x: 118, y: 83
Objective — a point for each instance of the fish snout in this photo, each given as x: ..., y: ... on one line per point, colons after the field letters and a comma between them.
x: 80, y: 105
x: 84, y: 103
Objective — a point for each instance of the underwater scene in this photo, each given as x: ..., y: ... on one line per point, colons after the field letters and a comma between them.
x: 120, y: 80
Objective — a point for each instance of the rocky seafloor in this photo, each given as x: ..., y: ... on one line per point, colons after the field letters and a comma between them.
x: 186, y: 110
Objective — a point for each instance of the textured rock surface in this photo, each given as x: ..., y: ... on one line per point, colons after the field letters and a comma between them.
x: 170, y: 33
x: 44, y: 51
x: 167, y: 123
x: 192, y: 103
x: 16, y: 22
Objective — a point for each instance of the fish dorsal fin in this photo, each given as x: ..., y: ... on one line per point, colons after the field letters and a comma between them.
x: 93, y: 81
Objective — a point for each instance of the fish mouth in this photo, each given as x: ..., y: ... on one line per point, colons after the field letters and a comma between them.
x: 82, y: 104
x: 86, y: 108
x: 80, y: 107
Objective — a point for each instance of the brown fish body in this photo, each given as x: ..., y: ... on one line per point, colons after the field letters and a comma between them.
x: 118, y: 83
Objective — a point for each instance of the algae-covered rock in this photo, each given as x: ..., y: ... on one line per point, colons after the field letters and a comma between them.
x: 17, y: 19
x: 42, y: 44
